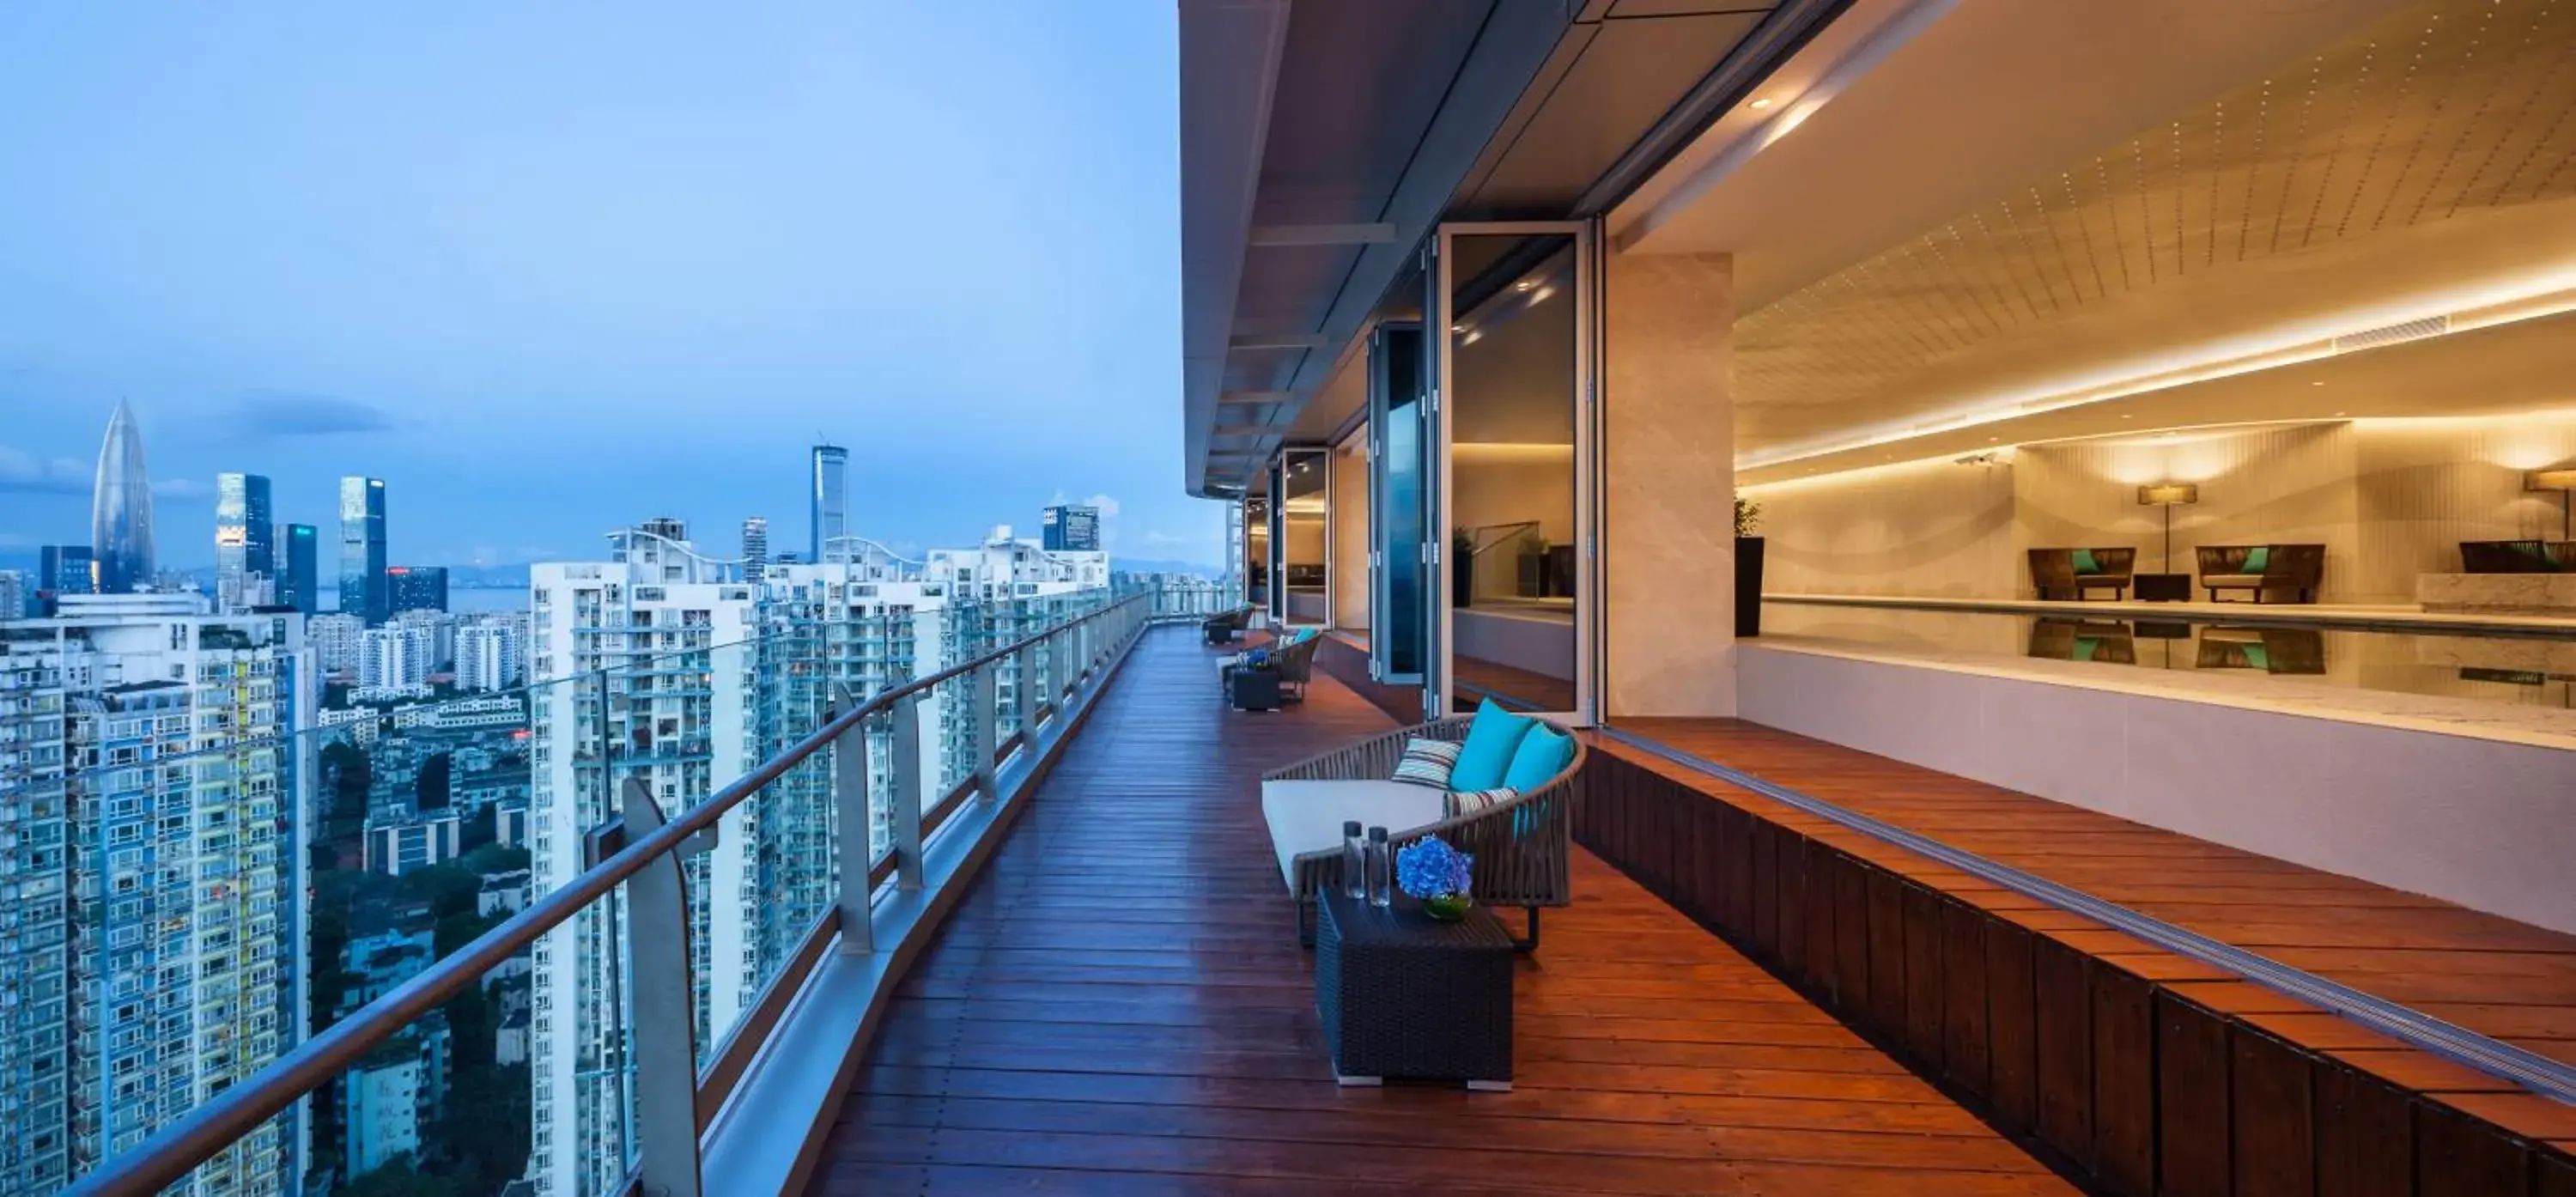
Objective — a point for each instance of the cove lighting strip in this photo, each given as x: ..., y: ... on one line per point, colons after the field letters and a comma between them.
x: 2558, y: 299
x: 2504, y: 1061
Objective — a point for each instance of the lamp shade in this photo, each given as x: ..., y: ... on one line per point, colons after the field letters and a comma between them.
x: 2168, y: 494
x: 2559, y: 479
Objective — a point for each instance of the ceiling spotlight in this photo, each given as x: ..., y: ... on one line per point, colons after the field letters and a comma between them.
x: 2128, y: 417
x: 1458, y: 328
x: 1759, y: 105
x: 2338, y: 413
x: 1524, y: 284
x: 2316, y: 384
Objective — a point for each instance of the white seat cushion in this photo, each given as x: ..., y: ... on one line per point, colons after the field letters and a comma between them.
x: 1305, y: 816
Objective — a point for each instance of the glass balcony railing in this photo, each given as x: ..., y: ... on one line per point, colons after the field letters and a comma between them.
x: 416, y: 922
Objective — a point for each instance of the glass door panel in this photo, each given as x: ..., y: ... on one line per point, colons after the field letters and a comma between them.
x: 1514, y: 428
x: 1398, y: 505
x: 1305, y: 542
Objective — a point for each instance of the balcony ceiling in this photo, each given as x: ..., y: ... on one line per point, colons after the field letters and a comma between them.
x: 1322, y: 139
x: 2152, y: 188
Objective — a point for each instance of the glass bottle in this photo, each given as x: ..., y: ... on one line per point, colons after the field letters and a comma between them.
x: 1381, y: 869
x: 1354, y: 862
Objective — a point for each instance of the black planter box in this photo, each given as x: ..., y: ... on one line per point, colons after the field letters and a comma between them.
x: 1748, y: 587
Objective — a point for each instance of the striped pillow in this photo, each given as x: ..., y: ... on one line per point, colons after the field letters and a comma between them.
x: 1468, y: 802
x: 1427, y: 762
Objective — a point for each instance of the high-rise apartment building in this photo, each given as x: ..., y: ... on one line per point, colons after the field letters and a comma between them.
x: 363, y: 583
x: 148, y: 775
x: 245, y: 560
x: 438, y: 632
x: 393, y: 657
x: 1071, y: 527
x: 755, y: 546
x: 831, y: 501
x: 487, y: 657
x: 678, y: 716
x: 335, y: 639
x: 15, y: 595
x: 299, y: 579
x: 417, y: 587
x: 120, y: 512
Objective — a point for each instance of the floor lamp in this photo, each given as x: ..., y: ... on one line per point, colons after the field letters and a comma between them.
x: 2564, y: 482
x: 2168, y: 495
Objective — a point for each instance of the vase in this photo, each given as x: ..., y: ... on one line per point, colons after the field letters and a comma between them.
x: 1447, y: 908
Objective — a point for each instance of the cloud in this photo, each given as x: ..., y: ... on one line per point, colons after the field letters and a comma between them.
x: 1108, y: 506
x: 25, y: 472
x: 286, y: 413
x: 180, y: 488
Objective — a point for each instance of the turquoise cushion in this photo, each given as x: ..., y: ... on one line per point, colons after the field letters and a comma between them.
x: 2086, y: 646
x: 2257, y: 559
x: 2258, y: 657
x: 1487, y: 754
x: 1543, y: 754
x: 2084, y: 562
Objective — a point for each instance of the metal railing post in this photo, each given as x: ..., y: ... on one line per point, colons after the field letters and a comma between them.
x: 851, y: 842
x: 983, y: 688
x: 905, y: 759
x: 665, y: 1038
x: 1027, y: 662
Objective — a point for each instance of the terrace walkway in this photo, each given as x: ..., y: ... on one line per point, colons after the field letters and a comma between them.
x: 1119, y: 1006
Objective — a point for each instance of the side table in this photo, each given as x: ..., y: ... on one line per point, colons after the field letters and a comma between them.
x: 2162, y: 588
x: 1403, y: 994
x: 1252, y: 689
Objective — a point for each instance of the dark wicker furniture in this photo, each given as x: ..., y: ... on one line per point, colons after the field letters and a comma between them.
x: 1222, y: 629
x: 1252, y: 689
x: 2290, y: 571
x: 2053, y: 572
x: 1522, y: 847
x: 2518, y: 556
x: 1402, y: 994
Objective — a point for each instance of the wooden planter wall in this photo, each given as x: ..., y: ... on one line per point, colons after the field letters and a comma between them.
x: 2148, y: 1086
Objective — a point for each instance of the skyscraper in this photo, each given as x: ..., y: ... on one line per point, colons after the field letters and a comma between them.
x: 245, y: 561
x: 1069, y: 528
x: 831, y: 501
x: 14, y: 594
x: 120, y: 507
x: 363, y: 588
x: 299, y: 579
x: 417, y: 587
x: 755, y: 547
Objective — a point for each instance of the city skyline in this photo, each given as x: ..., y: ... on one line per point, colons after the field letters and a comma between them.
x: 584, y: 291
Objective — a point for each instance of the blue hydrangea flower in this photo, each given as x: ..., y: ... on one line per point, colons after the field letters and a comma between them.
x: 1429, y: 868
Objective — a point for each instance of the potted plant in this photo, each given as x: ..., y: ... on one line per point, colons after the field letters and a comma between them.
x: 1748, y: 568
x: 1533, y: 564
x: 1440, y: 877
x: 1462, y: 567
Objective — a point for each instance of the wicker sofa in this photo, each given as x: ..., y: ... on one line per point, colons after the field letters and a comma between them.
x: 1222, y: 629
x: 2518, y: 556
x: 1293, y: 660
x: 2057, y: 574
x: 2291, y: 571
x: 1521, y: 846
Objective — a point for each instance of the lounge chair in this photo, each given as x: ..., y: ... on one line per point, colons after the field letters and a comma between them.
x: 1521, y: 846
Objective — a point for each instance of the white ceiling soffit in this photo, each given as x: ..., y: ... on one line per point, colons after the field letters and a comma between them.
x: 1229, y: 60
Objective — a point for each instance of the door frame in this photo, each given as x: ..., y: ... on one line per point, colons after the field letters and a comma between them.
x: 1438, y: 682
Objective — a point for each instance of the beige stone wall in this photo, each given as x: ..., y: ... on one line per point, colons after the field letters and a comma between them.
x: 1668, y: 486
x: 2291, y: 484
x: 1926, y: 529
x: 2427, y: 485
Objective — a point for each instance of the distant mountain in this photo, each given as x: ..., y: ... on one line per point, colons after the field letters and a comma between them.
x: 1146, y: 565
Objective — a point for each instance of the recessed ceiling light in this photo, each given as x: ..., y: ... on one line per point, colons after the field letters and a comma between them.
x: 1759, y: 105
x: 2128, y: 417
x: 1524, y: 284
x: 2338, y: 413
x: 2316, y: 384
x: 1992, y: 439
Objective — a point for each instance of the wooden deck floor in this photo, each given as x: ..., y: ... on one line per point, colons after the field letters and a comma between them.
x: 1120, y: 1007
x: 2505, y: 979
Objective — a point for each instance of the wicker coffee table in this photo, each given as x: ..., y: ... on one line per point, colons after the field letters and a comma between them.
x: 1403, y: 994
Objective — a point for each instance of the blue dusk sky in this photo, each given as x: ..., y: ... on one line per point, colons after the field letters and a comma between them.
x: 549, y: 269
